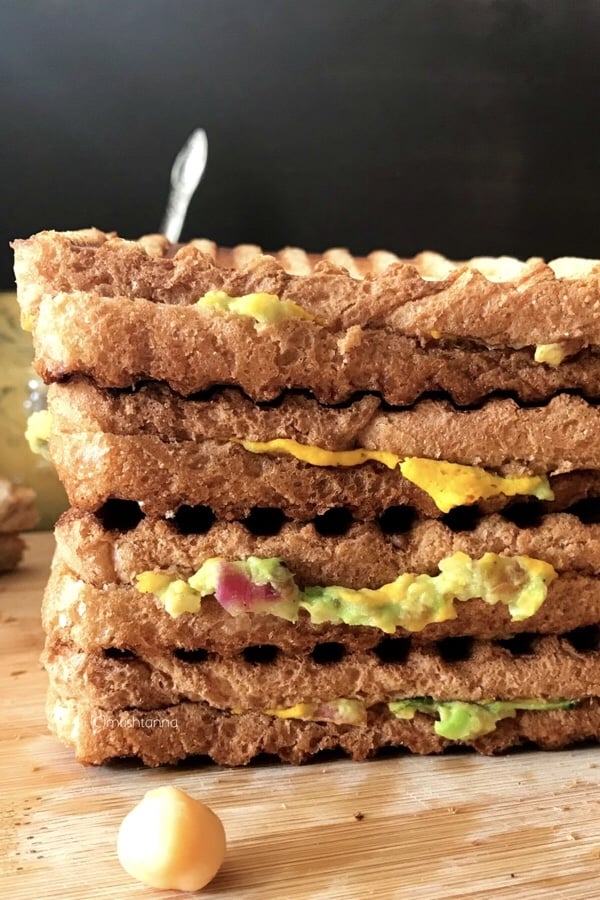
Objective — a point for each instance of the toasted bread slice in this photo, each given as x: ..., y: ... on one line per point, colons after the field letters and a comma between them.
x: 124, y: 311
x: 167, y: 735
x: 552, y: 667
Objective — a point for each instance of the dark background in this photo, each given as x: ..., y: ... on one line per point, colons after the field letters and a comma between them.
x: 467, y: 126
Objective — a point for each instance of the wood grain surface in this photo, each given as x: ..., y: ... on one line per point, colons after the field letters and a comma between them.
x: 522, y: 826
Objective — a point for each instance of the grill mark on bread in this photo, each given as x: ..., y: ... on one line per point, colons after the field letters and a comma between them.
x: 409, y: 376
x: 265, y: 521
x: 366, y: 556
x: 586, y: 510
x: 393, y: 649
x: 336, y: 522
x: 519, y: 645
x: 455, y: 649
x: 193, y: 519
x: 119, y: 515
x: 586, y: 639
x: 328, y: 652
x: 217, y: 390
x: 474, y: 672
x: 390, y: 651
x: 463, y: 518
x: 261, y: 654
x: 193, y: 657
x: 524, y: 514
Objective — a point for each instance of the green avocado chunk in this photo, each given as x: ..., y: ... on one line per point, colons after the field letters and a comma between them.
x: 462, y: 721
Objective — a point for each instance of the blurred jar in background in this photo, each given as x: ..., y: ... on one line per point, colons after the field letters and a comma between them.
x: 22, y: 392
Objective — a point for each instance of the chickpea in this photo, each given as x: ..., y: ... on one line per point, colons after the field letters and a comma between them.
x: 171, y: 841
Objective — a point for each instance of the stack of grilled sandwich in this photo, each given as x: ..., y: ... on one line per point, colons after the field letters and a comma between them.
x: 318, y: 502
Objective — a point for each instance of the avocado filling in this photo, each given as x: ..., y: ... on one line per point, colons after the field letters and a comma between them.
x: 266, y: 309
x: 448, y: 484
x: 460, y: 721
x: 456, y: 720
x: 411, y: 601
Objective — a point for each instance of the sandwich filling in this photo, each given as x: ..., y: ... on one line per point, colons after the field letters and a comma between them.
x: 448, y: 484
x: 266, y: 309
x: 552, y: 354
x: 455, y: 720
x: 411, y: 602
x: 460, y: 721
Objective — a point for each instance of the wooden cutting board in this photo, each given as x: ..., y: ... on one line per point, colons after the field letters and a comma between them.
x: 522, y: 826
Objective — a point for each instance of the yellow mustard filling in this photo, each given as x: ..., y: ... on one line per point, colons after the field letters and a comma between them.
x: 410, y: 602
x: 448, y: 484
x: 317, y: 456
x: 267, y: 309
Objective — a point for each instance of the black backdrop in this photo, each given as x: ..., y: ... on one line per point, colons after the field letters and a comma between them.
x: 468, y: 126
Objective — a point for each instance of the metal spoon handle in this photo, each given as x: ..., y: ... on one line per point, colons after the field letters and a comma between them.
x: 186, y: 174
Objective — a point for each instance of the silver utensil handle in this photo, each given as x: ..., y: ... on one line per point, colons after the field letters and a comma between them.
x: 186, y: 175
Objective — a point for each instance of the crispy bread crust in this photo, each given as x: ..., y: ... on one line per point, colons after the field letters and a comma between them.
x: 559, y: 437
x: 121, y: 344
x: 187, y: 729
x: 515, y: 306
x: 78, y: 288
x: 161, y: 679
x: 163, y: 476
x: 363, y: 557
